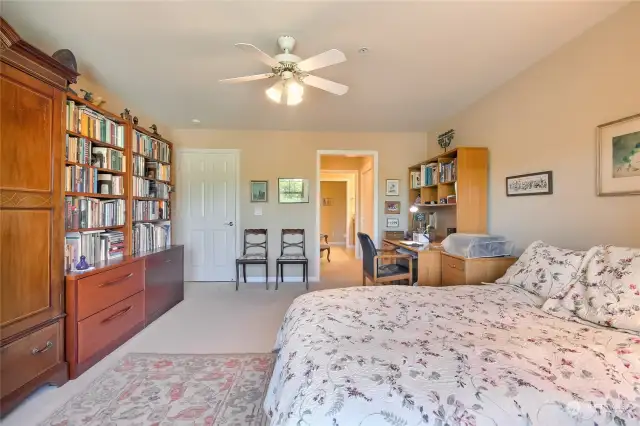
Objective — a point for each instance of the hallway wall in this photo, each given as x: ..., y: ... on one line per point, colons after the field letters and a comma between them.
x: 333, y: 217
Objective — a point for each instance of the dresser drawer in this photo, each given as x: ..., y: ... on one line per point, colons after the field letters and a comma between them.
x: 100, y: 291
x: 101, y: 329
x: 453, y: 270
x: 27, y: 358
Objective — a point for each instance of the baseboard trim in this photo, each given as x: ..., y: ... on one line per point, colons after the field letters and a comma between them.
x: 285, y: 280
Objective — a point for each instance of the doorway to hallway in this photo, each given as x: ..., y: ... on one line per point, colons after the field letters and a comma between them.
x: 347, y: 196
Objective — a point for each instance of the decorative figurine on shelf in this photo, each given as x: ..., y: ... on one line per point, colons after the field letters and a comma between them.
x: 135, y: 121
x: 445, y: 139
x: 154, y: 128
x: 68, y: 59
x: 98, y: 101
x: 126, y: 114
x: 88, y: 96
x: 82, y: 265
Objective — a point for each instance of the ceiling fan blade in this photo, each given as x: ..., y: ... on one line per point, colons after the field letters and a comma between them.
x: 330, y: 57
x: 324, y: 84
x: 248, y: 78
x: 258, y: 54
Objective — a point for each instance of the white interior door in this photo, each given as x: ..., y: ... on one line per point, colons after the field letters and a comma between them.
x: 206, y: 198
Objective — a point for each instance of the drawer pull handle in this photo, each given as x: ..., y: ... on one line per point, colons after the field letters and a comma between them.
x: 167, y: 261
x: 116, y: 281
x: 116, y: 315
x: 36, y: 351
x: 452, y: 266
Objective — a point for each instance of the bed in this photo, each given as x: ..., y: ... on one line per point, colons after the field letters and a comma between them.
x: 465, y: 355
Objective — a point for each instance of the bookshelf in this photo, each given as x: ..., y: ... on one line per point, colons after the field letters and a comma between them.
x: 456, y: 188
x: 151, y: 188
x: 118, y: 183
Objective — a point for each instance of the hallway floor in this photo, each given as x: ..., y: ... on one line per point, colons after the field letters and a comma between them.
x: 213, y: 318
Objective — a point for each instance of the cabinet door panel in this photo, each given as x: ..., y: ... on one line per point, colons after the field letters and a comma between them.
x: 31, y: 199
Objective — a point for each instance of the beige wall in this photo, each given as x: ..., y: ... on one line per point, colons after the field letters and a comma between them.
x: 366, y: 198
x: 545, y: 119
x: 333, y: 218
x: 269, y: 155
x: 116, y: 104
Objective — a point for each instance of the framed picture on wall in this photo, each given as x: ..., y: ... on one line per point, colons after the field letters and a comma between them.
x: 393, y: 187
x: 393, y: 222
x: 392, y: 207
x: 293, y: 191
x: 540, y: 183
x: 618, y: 157
x: 259, y: 189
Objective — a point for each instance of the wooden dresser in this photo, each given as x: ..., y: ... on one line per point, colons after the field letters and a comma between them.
x: 112, y: 303
x: 31, y: 218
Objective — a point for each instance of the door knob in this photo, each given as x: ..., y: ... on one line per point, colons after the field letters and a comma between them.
x: 228, y: 223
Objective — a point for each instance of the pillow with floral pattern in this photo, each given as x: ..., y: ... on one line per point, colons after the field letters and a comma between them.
x: 543, y: 269
x: 607, y: 291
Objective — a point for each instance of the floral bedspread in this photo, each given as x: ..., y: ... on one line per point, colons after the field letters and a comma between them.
x: 466, y: 355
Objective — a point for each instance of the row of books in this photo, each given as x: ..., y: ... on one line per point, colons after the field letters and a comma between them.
x: 150, y: 210
x: 151, y: 169
x: 84, y: 179
x: 150, y: 236
x: 95, y: 246
x: 86, y: 212
x: 78, y: 150
x: 150, y: 147
x: 448, y: 171
x: 108, y: 158
x: 434, y: 173
x: 82, y: 119
x: 149, y: 188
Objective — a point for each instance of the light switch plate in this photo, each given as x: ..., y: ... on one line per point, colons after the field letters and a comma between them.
x: 257, y: 211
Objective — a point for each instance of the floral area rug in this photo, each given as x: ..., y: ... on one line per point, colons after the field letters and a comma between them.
x: 163, y: 390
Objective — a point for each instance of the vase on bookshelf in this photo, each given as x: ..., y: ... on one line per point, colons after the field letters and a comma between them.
x: 82, y: 265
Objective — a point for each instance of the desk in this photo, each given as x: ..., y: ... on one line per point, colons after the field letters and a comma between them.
x: 429, y: 262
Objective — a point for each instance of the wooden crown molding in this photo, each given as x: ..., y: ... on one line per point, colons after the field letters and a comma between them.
x: 19, y: 53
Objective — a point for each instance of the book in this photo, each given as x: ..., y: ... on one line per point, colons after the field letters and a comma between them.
x: 149, y: 236
x: 86, y: 212
x: 151, y: 147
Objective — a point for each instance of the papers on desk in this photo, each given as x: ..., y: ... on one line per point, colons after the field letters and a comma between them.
x: 411, y: 243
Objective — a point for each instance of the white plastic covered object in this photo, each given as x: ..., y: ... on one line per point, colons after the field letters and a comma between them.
x: 477, y: 245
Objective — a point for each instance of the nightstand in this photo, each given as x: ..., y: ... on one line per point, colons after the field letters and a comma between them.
x: 458, y: 270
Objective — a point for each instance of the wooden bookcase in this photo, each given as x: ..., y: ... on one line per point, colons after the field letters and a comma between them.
x: 130, y: 130
x: 169, y: 182
x: 469, y: 212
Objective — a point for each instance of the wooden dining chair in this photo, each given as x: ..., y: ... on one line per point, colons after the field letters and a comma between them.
x: 378, y: 273
x: 292, y: 252
x: 254, y: 253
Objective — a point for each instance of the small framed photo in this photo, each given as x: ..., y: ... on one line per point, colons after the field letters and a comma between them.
x: 540, y: 183
x: 618, y: 154
x: 393, y: 222
x: 259, y: 190
x: 393, y: 187
x: 392, y: 207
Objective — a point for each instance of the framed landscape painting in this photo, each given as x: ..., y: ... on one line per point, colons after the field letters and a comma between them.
x: 293, y: 191
x: 618, y: 156
x: 259, y: 191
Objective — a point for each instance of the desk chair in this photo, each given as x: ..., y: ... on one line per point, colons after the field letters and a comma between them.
x: 292, y: 253
x: 379, y: 273
x: 259, y: 255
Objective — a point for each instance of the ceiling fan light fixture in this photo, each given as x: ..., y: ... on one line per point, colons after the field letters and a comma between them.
x: 295, y: 91
x: 275, y: 92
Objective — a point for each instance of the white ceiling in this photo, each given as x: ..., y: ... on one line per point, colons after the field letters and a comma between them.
x: 427, y: 60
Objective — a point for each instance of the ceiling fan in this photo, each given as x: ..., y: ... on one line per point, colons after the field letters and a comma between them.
x: 290, y: 71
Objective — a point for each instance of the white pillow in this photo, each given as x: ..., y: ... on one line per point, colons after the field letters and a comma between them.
x: 607, y: 291
x: 544, y: 270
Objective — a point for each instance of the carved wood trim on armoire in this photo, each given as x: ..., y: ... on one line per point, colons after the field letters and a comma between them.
x: 31, y: 218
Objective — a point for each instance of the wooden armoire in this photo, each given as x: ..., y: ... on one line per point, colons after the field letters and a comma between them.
x: 31, y: 218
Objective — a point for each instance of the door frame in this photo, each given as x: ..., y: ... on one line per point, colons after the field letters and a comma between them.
x: 236, y: 155
x: 356, y: 184
x: 354, y: 153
